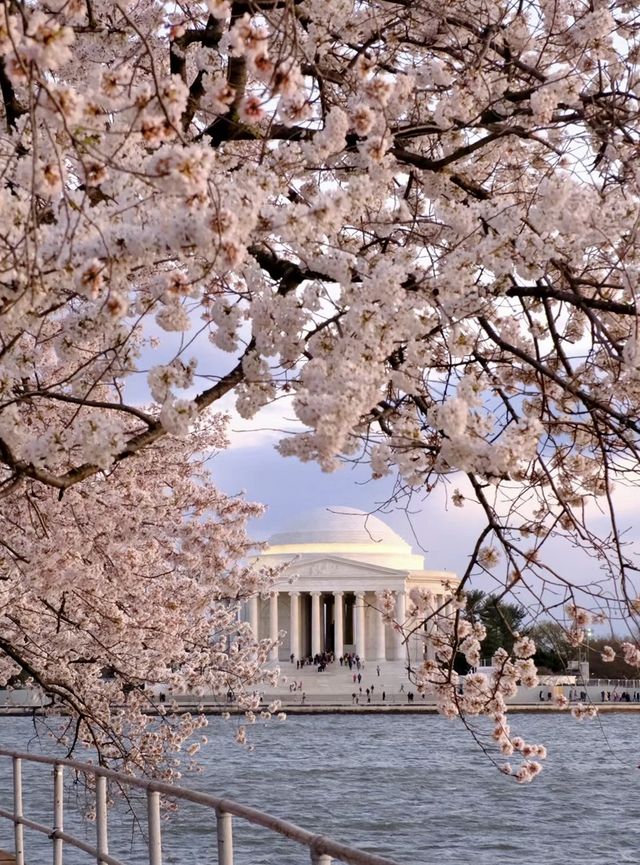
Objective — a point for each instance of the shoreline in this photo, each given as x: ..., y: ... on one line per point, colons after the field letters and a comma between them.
x: 342, y: 709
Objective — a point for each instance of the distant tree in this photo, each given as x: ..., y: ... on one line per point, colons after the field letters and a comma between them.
x: 129, y: 585
x: 553, y: 647
x: 501, y: 620
x: 603, y: 667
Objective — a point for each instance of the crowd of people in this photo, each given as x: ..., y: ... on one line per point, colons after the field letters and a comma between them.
x: 620, y: 697
x: 319, y: 660
x: 322, y: 659
x: 356, y: 665
x: 575, y: 695
x: 348, y: 660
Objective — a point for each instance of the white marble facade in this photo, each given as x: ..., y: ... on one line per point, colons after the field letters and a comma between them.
x: 336, y: 561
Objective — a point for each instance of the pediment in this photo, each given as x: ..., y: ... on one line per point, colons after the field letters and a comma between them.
x: 338, y: 566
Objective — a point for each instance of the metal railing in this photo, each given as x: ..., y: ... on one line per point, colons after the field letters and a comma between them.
x: 618, y: 684
x: 322, y: 850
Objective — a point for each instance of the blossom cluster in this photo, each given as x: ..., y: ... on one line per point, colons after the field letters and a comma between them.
x: 129, y: 587
x: 445, y: 630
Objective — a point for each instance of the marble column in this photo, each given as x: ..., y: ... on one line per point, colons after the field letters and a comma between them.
x: 401, y: 615
x: 338, y: 623
x: 360, y: 627
x: 273, y: 624
x: 380, y: 652
x: 294, y: 625
x: 430, y: 629
x: 448, y: 611
x: 253, y: 614
x: 316, y: 647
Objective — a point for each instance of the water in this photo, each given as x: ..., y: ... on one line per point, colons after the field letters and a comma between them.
x: 411, y: 787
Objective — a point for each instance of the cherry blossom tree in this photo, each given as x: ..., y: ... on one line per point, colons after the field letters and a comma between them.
x: 128, y: 586
x: 415, y: 221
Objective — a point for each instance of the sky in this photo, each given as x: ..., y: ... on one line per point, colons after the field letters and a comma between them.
x: 289, y: 487
x: 443, y: 533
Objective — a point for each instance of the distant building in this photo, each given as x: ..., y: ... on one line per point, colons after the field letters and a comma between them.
x: 337, y: 559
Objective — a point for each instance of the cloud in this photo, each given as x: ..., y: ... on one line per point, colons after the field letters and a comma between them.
x: 445, y: 534
x: 272, y: 423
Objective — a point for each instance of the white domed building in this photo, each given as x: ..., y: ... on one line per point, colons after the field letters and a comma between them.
x: 336, y: 561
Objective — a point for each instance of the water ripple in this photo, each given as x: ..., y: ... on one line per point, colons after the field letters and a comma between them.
x: 411, y: 787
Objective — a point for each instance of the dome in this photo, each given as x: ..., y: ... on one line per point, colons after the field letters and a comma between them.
x: 339, y: 524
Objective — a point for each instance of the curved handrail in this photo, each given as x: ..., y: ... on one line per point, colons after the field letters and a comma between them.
x: 318, y: 845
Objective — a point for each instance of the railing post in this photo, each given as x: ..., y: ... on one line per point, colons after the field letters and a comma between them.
x: 320, y: 858
x: 102, y: 838
x: 153, y: 823
x: 18, y: 828
x: 224, y: 829
x: 58, y: 812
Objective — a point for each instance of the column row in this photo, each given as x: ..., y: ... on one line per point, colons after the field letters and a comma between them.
x: 318, y: 627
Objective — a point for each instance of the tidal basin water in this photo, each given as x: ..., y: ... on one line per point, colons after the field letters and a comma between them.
x: 415, y: 788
